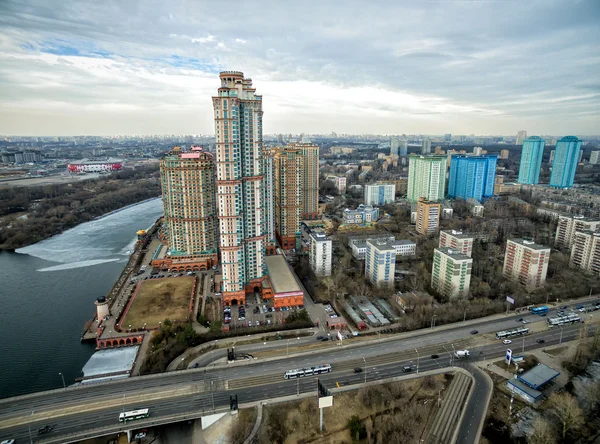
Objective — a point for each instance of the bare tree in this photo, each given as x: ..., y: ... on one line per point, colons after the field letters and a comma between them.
x: 543, y: 433
x: 565, y: 409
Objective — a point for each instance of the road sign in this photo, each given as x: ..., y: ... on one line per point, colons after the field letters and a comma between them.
x: 511, y: 300
x: 508, y: 356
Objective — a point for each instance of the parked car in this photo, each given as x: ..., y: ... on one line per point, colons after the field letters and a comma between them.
x: 525, y: 321
x: 579, y: 307
x: 520, y: 320
x: 564, y: 307
x: 8, y: 441
x: 407, y: 368
x: 507, y: 341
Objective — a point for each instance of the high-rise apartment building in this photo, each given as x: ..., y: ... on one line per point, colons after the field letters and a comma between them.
x: 310, y: 180
x: 380, y: 262
x: 457, y: 240
x: 426, y: 147
x: 403, y: 148
x: 504, y: 154
x: 585, y: 253
x: 594, y: 157
x: 569, y: 224
x: 394, y: 145
x: 451, y: 272
x: 531, y: 160
x: 477, y: 151
x: 521, y: 136
x: 426, y: 177
x: 288, y: 165
x: 566, y: 156
x: 380, y: 194
x: 526, y: 262
x: 240, y: 186
x: 190, y: 216
x: 551, y: 159
x: 428, y: 216
x: 269, y: 200
x: 472, y: 176
x: 320, y: 253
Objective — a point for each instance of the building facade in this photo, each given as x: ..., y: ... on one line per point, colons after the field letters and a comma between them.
x: 521, y: 136
x: 403, y: 148
x: 526, y: 262
x: 380, y: 263
x: 595, y: 158
x: 531, y: 160
x: 451, y: 272
x: 363, y: 215
x: 310, y: 180
x: 288, y: 164
x: 472, y: 176
x: 504, y: 154
x: 380, y: 194
x: 426, y: 147
x: 428, y: 216
x: 320, y: 253
x: 569, y: 224
x: 457, y: 240
x: 585, y: 253
x: 564, y: 164
x: 190, y: 215
x: 240, y: 186
x: 339, y: 182
x: 426, y: 177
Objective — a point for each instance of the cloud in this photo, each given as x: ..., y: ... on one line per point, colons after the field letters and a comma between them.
x: 376, y: 67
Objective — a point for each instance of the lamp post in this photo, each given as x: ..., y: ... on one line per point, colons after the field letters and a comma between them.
x: 63, y: 380
x: 433, y: 321
x: 287, y: 348
x: 29, y: 427
x: 453, y: 354
x: 417, y: 360
x: 365, y: 361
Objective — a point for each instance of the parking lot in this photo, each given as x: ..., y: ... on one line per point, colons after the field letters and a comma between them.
x: 254, y: 313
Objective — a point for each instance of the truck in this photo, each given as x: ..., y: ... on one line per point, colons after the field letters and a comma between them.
x: 461, y: 354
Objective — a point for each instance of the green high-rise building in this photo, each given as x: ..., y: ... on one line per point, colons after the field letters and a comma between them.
x: 426, y: 177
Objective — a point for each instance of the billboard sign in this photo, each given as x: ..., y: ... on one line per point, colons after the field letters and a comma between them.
x: 511, y: 300
x: 508, y: 356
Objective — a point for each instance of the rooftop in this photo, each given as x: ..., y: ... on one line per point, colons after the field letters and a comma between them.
x: 454, y: 254
x: 458, y: 234
x: 319, y: 236
x: 403, y: 242
x: 382, y: 245
x: 529, y: 244
x: 538, y: 376
x: 281, y: 276
x: 110, y: 362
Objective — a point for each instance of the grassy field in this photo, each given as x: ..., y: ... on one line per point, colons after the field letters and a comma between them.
x: 160, y: 299
x: 399, y: 412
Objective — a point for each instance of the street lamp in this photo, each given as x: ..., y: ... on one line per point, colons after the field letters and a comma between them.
x: 417, y: 360
x: 29, y: 427
x: 453, y: 354
x: 287, y: 348
x: 433, y: 321
x: 63, y: 380
x: 365, y: 361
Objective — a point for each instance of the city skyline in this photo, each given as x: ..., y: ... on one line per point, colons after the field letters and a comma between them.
x: 68, y: 70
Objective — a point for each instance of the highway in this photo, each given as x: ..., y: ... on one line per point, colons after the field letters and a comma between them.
x: 84, y: 407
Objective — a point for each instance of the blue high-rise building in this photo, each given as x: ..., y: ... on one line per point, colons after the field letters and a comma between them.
x: 472, y: 176
x: 531, y: 160
x: 566, y: 157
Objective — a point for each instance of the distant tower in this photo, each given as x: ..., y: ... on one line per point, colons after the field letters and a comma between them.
x: 394, y: 144
x: 403, y: 147
x: 426, y: 147
x: 521, y: 136
x: 101, y: 308
x: 566, y: 156
x: 531, y: 160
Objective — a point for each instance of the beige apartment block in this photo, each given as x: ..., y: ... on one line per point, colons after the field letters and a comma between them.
x: 457, y: 240
x: 568, y: 225
x: 428, y: 216
x: 526, y: 262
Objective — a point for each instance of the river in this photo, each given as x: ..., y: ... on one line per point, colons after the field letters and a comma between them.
x: 47, y: 293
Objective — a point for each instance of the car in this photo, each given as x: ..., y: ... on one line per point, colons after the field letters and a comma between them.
x: 474, y: 332
x: 249, y: 323
x: 242, y: 318
x: 324, y: 339
x: 319, y: 337
x: 540, y: 341
x: 507, y: 341
x: 564, y: 307
x: 579, y: 307
x: 560, y: 313
x: 358, y: 370
x: 268, y: 322
x: 543, y: 315
x: 270, y: 309
x: 45, y: 429
x: 140, y: 435
x: 434, y: 356
x: 8, y: 441
x: 196, y: 365
x: 582, y: 310
x: 333, y: 316
x: 407, y: 368
x: 520, y: 320
x: 525, y: 321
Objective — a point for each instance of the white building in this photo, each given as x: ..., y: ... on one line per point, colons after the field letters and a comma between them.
x: 451, y: 272
x: 569, y: 224
x: 521, y: 136
x: 478, y: 151
x: 457, y: 240
x: 526, y: 262
x: 595, y: 158
x: 339, y: 182
x: 380, y: 262
x: 405, y: 247
x: 585, y: 253
x: 476, y: 207
x: 426, y: 147
x: 320, y: 253
x: 380, y: 194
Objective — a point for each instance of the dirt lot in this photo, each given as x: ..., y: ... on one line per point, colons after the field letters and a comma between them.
x: 160, y: 299
x: 396, y: 412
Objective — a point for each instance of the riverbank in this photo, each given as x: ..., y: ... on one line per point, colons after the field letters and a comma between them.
x: 33, y: 214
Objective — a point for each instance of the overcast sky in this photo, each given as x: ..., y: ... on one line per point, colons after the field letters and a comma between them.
x: 390, y: 67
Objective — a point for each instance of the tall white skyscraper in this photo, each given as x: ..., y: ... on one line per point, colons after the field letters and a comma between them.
x: 240, y: 185
x: 426, y: 177
x: 521, y: 136
x: 426, y: 147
